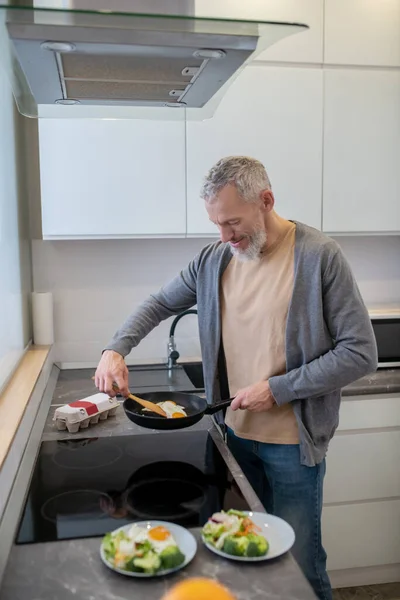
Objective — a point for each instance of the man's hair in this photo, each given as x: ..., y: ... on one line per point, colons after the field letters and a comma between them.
x: 247, y: 174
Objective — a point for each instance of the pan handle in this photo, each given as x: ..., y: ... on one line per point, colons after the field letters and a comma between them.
x: 213, y: 408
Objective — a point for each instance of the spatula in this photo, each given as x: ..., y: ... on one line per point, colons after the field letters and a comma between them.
x: 145, y: 403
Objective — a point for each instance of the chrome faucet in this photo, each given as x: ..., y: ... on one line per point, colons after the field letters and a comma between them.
x: 172, y: 353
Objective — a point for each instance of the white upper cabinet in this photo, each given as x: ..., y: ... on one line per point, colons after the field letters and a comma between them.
x: 362, y: 32
x: 303, y: 47
x: 274, y: 115
x: 362, y: 151
x: 306, y: 46
x: 112, y: 178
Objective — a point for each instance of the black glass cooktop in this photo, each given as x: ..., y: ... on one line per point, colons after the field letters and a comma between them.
x: 86, y: 487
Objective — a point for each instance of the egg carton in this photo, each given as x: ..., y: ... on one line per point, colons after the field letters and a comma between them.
x: 82, y: 413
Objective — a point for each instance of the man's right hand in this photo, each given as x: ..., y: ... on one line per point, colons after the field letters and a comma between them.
x: 112, y: 368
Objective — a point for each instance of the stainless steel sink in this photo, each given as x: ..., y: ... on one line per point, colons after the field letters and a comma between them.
x: 195, y: 373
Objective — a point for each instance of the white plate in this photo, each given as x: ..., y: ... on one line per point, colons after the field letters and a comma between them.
x: 279, y: 534
x: 184, y: 539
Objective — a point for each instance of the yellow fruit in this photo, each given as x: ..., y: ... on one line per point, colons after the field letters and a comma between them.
x: 198, y: 588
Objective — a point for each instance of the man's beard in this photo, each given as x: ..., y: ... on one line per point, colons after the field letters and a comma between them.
x: 257, y: 241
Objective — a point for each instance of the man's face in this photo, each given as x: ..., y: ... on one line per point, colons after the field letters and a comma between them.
x: 240, y: 223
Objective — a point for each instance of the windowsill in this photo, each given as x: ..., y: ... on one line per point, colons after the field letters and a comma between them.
x: 15, y: 397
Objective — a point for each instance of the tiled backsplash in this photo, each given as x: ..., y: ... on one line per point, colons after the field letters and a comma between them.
x: 96, y: 284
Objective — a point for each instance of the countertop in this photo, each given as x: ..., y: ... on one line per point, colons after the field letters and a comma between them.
x: 16, y: 395
x: 74, y: 569
x: 77, y: 382
x: 384, y: 381
x: 83, y: 576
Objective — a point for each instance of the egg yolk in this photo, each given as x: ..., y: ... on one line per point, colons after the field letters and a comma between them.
x: 159, y: 533
x: 177, y: 415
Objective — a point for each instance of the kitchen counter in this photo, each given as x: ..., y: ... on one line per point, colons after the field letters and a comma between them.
x: 84, y: 576
x: 384, y: 381
x: 77, y: 383
x: 74, y: 570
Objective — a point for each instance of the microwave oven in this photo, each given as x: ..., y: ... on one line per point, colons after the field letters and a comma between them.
x: 387, y: 334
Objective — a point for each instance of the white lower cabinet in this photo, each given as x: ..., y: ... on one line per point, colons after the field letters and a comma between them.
x: 363, y: 466
x: 361, y: 514
x: 362, y: 535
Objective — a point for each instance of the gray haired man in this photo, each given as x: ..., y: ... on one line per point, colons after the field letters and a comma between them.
x: 277, y: 301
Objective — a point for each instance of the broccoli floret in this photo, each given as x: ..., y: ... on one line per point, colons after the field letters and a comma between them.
x: 149, y: 563
x: 171, y: 557
x: 257, y: 545
x: 236, y: 546
x: 131, y: 567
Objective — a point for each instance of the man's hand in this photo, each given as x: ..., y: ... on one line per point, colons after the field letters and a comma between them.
x: 112, y: 368
x: 256, y: 398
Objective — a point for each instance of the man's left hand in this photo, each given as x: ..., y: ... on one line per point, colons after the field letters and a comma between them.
x: 256, y: 398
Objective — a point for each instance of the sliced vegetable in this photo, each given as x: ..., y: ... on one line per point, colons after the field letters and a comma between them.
x: 235, y: 533
x: 108, y: 546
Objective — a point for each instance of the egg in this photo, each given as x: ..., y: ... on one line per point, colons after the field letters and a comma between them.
x: 159, y: 537
x: 172, y: 410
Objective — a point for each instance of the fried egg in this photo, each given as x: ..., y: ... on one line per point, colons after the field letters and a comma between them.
x: 159, y: 537
x: 171, y: 409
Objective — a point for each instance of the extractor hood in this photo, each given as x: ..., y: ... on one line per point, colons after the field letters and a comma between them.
x: 87, y: 60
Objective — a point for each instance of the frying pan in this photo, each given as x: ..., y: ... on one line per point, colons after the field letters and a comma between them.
x: 195, y: 408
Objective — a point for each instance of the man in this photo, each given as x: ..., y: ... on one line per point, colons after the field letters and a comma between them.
x: 282, y: 322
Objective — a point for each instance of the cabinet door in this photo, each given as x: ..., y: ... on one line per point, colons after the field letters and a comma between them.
x: 361, y: 151
x: 275, y: 115
x: 353, y: 457
x: 305, y: 46
x: 361, y: 535
x: 112, y: 178
x: 362, y: 32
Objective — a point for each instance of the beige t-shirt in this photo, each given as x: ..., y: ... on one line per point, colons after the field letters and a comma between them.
x: 255, y: 298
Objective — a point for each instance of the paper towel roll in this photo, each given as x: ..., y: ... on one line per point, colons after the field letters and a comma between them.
x: 42, y: 315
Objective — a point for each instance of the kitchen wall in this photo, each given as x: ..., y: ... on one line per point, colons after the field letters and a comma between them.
x: 15, y: 261
x: 96, y: 284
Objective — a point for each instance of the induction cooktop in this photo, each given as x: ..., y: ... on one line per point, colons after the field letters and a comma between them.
x: 88, y: 486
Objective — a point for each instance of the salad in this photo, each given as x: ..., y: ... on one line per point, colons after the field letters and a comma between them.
x: 235, y: 533
x: 142, y: 550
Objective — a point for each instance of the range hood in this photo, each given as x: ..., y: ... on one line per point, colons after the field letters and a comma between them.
x: 113, y: 63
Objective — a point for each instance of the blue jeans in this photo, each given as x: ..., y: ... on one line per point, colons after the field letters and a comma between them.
x: 293, y: 492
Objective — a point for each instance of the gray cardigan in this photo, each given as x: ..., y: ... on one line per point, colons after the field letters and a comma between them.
x: 329, y: 337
